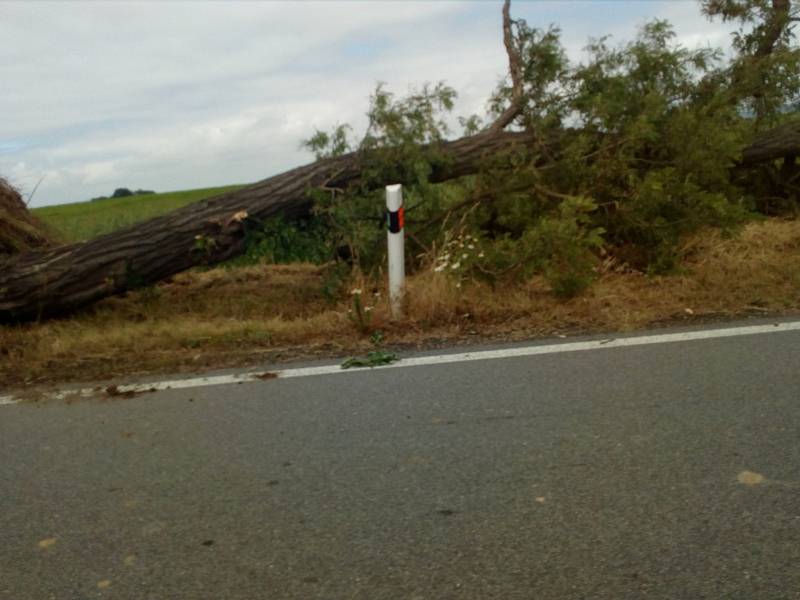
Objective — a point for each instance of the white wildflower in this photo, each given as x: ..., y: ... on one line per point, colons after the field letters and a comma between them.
x: 439, y: 269
x: 471, y: 246
x: 464, y: 255
x: 481, y: 255
x: 355, y: 292
x: 455, y: 265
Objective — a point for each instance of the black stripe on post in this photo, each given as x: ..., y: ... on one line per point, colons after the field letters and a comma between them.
x: 395, y: 220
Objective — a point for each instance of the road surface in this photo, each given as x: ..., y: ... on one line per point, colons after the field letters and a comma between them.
x: 661, y: 470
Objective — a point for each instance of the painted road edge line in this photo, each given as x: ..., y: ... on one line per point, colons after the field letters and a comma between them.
x: 441, y: 359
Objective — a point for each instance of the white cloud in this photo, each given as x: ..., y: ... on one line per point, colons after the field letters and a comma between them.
x: 97, y: 172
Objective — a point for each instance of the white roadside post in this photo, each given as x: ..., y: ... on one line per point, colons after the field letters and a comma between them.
x: 397, y: 257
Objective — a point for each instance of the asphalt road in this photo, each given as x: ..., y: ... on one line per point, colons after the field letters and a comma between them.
x: 661, y: 471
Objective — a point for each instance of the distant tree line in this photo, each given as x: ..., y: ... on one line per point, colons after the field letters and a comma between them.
x: 123, y: 192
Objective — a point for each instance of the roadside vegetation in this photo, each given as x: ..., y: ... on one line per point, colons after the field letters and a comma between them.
x: 247, y: 315
x: 631, y: 207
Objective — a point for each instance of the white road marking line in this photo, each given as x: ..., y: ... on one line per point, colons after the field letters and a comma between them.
x: 603, y: 344
x: 442, y: 359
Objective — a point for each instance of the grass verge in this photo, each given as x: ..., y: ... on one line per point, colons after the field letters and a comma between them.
x: 235, y: 317
x: 84, y: 220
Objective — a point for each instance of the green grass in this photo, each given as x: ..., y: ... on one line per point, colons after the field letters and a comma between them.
x: 84, y: 220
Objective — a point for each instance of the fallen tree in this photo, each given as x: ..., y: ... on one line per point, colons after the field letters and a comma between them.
x: 54, y: 281
x: 639, y: 172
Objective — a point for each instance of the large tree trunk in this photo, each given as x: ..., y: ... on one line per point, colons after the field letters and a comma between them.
x: 55, y: 281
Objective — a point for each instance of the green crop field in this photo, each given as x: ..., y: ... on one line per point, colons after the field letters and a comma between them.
x: 83, y: 220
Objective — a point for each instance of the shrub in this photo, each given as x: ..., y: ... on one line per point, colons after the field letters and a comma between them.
x: 121, y: 193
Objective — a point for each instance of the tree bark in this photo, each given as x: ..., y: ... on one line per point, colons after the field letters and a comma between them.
x: 779, y: 19
x: 55, y: 281
x: 780, y: 142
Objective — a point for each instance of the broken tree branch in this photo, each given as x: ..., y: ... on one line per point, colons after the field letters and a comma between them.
x: 514, y: 70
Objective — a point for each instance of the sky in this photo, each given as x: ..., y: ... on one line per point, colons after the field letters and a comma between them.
x: 181, y: 95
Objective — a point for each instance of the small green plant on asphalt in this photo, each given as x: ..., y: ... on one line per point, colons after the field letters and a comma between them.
x: 376, y: 358
x: 361, y: 316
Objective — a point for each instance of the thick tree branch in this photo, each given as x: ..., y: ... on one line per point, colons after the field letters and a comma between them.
x: 774, y: 28
x: 514, y: 70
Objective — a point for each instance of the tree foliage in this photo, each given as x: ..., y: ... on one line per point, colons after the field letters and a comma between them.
x: 399, y: 145
x: 634, y: 148
x: 764, y: 75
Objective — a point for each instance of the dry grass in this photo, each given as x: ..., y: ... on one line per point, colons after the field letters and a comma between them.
x: 228, y: 317
x: 19, y: 230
